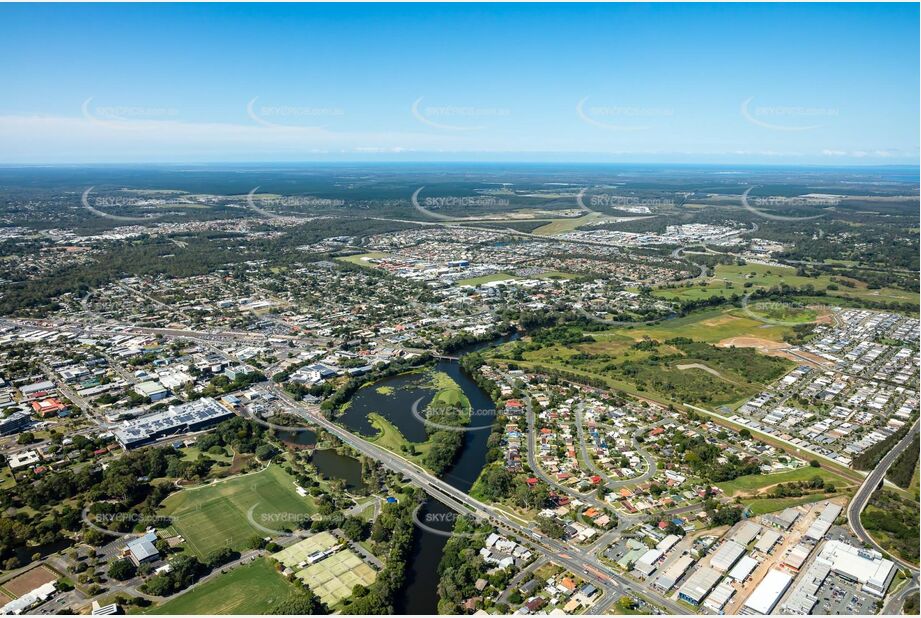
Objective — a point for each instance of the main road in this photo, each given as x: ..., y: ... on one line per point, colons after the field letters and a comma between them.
x: 859, y: 502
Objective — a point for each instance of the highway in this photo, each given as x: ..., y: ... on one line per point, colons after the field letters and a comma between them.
x: 859, y: 502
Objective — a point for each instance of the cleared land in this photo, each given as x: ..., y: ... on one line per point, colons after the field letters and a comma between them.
x: 29, y: 581
x: 753, y: 490
x: 254, y: 588
x: 674, y: 360
x: 731, y: 279
x: 362, y: 258
x: 216, y: 515
x: 755, y: 482
x: 771, y: 505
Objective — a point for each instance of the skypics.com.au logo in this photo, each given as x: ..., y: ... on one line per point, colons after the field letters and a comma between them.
x: 455, y: 117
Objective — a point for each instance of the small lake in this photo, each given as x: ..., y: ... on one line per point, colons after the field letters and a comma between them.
x: 303, y: 438
x: 334, y: 465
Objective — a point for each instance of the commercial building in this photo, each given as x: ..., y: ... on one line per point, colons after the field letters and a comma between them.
x: 820, y: 526
x: 668, y: 542
x: 23, y: 459
x: 805, y: 593
x: 864, y: 566
x: 699, y: 585
x: 152, y: 390
x: 675, y: 571
x: 142, y: 549
x: 797, y: 556
x: 726, y: 556
x: 767, y: 541
x: 817, y: 530
x: 782, y: 520
x: 763, y: 598
x: 743, y: 568
x: 647, y: 562
x: 719, y: 597
x: 746, y: 532
x: 830, y: 512
x: 44, y: 386
x: 192, y: 416
x: 15, y: 423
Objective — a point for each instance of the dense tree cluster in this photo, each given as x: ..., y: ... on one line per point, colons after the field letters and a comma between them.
x: 392, y: 535
x: 903, y: 468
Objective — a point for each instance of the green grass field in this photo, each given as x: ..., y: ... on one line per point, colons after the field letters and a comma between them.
x: 568, y: 224
x: 762, y: 276
x: 486, y: 279
x: 249, y: 589
x: 710, y: 325
x: 677, y: 372
x: 215, y: 515
x: 754, y: 482
x: 448, y: 392
x: 390, y: 438
x: 761, y: 506
x: 556, y: 274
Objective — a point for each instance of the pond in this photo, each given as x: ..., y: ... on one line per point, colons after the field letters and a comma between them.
x: 332, y: 464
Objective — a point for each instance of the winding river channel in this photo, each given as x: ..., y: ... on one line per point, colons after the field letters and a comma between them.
x: 393, y: 399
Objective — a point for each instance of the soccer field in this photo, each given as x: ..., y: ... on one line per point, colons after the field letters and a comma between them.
x: 255, y: 588
x: 229, y: 513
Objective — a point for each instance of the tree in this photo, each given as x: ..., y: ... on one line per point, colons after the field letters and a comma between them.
x: 220, y: 557
x: 550, y: 526
x: 265, y: 452
x: 302, y: 603
x: 626, y: 603
x: 814, y: 463
x: 122, y: 569
x: 354, y: 528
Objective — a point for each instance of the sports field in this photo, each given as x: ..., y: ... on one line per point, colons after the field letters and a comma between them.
x: 486, y: 279
x: 333, y: 578
x: 297, y: 553
x: 253, y: 588
x: 230, y: 512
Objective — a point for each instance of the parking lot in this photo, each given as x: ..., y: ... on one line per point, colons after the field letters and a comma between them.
x: 838, y: 596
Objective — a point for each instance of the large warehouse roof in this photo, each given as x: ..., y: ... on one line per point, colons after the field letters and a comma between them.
x: 768, y: 592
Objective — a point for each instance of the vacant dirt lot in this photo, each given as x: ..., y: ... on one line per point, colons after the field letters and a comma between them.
x: 30, y: 580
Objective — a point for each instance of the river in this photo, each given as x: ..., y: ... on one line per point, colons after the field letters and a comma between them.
x: 420, y: 594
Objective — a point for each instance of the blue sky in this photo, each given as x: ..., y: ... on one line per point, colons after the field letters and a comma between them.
x: 769, y: 83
